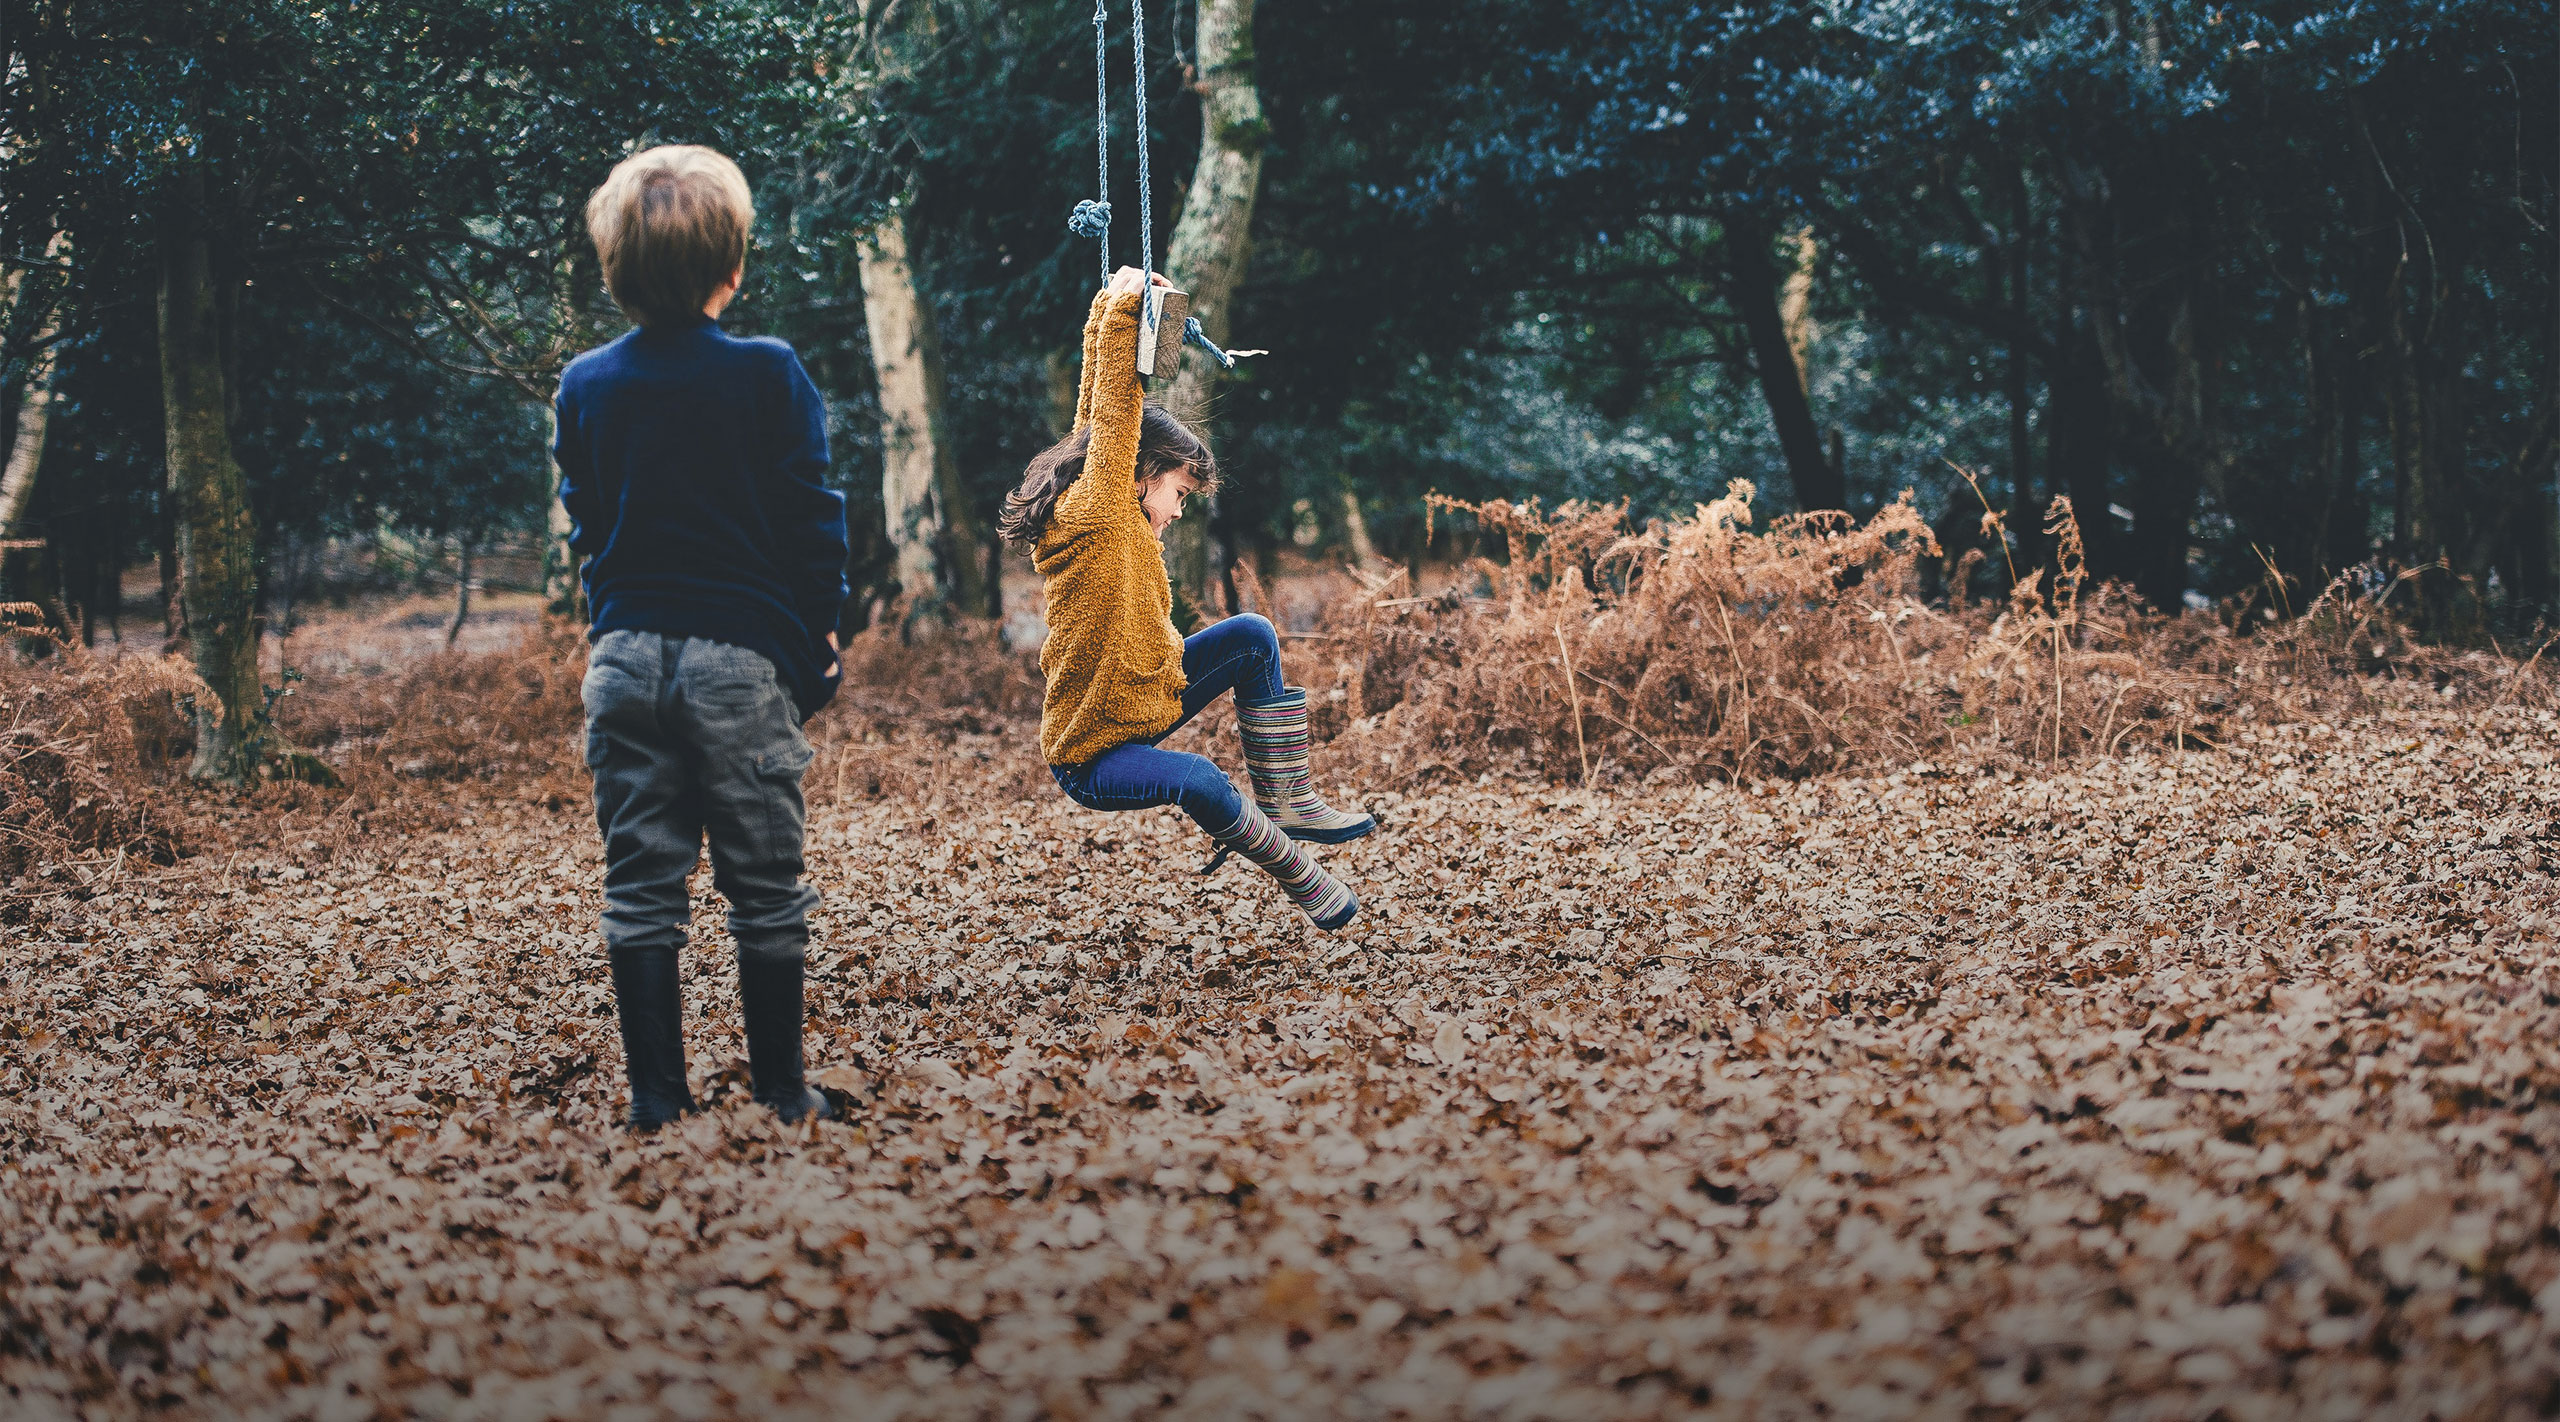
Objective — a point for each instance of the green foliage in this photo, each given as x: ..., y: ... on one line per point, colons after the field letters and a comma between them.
x: 2259, y: 265
x: 345, y: 430
x: 2268, y: 277
x: 395, y: 194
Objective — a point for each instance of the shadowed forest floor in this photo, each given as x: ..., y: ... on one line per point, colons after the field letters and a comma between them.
x: 2183, y: 1082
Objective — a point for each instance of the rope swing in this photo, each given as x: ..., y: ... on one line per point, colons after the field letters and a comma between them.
x: 1092, y: 217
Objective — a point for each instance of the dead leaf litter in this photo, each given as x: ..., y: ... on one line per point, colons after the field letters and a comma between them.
x: 2155, y: 1086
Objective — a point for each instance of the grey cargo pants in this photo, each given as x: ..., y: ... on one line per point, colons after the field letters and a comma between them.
x: 688, y: 737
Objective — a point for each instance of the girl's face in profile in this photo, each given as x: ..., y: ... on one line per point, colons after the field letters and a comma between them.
x: 1161, y: 495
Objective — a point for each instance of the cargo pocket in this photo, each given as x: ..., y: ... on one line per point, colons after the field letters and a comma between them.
x: 788, y: 762
x: 785, y: 810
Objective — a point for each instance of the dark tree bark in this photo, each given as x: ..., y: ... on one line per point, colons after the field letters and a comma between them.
x: 2023, y: 506
x: 462, y: 591
x: 217, y: 539
x: 173, y: 617
x: 2529, y: 551
x: 2164, y: 501
x: 90, y: 579
x: 114, y: 589
x: 2339, y: 537
x: 2423, y: 329
x: 1753, y: 292
x: 2079, y: 447
x: 2422, y: 349
x: 2155, y: 344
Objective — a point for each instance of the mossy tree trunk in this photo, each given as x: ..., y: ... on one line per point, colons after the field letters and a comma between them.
x: 217, y: 537
x: 1213, y: 240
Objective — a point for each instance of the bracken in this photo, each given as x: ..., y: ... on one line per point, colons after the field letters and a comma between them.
x: 1697, y: 647
x: 79, y: 734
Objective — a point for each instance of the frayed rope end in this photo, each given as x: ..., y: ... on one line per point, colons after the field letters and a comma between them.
x: 1192, y: 334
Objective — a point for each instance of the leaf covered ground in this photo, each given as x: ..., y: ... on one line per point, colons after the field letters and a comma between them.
x: 2166, y: 1084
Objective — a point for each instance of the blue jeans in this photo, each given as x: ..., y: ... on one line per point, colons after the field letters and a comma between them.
x: 1239, y: 654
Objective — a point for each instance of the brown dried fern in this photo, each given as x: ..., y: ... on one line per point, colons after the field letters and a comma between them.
x: 1700, y: 647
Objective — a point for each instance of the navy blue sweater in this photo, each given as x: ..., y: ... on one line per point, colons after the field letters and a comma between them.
x: 693, y: 465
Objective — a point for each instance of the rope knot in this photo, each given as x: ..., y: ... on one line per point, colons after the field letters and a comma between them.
x: 1090, y: 219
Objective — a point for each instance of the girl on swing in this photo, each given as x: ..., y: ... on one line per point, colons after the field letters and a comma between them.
x: 1093, y: 509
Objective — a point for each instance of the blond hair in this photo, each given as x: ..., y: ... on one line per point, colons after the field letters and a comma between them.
x: 670, y: 225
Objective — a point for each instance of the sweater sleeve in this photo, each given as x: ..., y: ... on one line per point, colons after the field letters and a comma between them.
x: 1106, y: 493
x: 578, y: 492
x: 1092, y: 337
x: 811, y: 518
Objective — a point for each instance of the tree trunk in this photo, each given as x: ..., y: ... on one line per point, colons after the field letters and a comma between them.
x: 1213, y: 241
x: 1753, y: 292
x: 282, y: 586
x: 35, y: 408
x: 173, y: 611
x: 2164, y: 501
x: 560, y: 590
x: 2422, y: 349
x: 1364, y: 554
x: 2079, y: 445
x: 114, y: 589
x: 2341, y: 538
x: 90, y: 579
x: 2449, y: 502
x: 461, y: 592
x: 1059, y: 370
x: 2154, y: 340
x: 2024, y: 509
x: 2527, y: 556
x: 940, y: 563
x: 2170, y: 439
x: 216, y: 536
x: 1795, y: 300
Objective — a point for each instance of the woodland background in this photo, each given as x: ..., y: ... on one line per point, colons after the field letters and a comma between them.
x: 2266, y: 289
x: 2078, y: 939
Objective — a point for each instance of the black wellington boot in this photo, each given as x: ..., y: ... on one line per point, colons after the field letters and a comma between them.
x: 769, y: 993
x: 648, y: 994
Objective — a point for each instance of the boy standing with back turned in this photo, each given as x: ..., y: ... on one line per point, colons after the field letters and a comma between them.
x: 693, y: 465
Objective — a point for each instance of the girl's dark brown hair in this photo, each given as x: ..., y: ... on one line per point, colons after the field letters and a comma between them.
x: 1165, y: 444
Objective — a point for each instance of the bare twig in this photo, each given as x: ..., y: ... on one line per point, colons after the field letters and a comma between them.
x: 1574, y: 696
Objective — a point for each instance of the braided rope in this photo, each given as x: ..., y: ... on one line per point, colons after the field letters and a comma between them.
x: 1092, y: 218
x: 1146, y: 199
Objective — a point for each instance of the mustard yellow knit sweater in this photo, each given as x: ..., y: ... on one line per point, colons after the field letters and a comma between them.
x: 1113, y: 660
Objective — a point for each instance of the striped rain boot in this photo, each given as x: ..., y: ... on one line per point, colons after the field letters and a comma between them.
x: 1322, y: 897
x: 1275, y: 755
